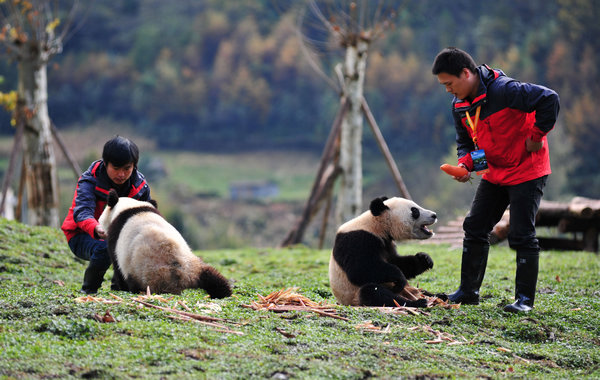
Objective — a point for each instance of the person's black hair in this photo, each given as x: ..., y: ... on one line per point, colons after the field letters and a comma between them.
x: 120, y: 151
x: 452, y: 61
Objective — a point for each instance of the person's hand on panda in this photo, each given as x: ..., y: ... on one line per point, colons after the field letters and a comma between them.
x: 99, y: 232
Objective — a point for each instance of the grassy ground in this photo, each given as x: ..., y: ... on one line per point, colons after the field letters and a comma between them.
x: 45, y: 333
x: 215, y: 173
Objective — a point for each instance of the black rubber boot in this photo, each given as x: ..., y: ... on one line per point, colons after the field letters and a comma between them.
x: 474, y: 262
x: 525, y: 281
x: 92, y: 279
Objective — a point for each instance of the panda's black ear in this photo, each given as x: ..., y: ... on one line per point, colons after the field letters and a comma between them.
x: 112, y: 198
x: 154, y: 203
x: 377, y: 206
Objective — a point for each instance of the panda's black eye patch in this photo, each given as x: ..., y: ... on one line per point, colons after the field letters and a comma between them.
x: 415, y: 212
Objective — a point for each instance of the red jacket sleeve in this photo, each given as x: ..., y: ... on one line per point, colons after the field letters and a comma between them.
x: 85, y: 205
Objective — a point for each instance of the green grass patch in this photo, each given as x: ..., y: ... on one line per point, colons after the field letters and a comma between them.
x: 45, y: 333
x: 214, y: 173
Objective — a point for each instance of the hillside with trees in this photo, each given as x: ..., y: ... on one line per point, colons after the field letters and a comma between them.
x: 219, y: 76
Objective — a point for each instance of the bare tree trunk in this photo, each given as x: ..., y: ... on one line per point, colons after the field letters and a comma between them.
x: 349, y: 202
x: 41, y: 182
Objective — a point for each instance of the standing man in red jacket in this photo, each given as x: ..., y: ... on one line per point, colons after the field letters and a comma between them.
x: 501, y: 126
x: 116, y: 170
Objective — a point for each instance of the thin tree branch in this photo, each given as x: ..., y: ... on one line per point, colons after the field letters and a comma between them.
x: 311, y: 61
x: 74, y: 165
x: 67, y: 33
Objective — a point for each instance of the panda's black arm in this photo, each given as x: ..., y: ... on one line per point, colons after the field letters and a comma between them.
x: 118, y: 281
x: 360, y: 255
x: 412, y: 265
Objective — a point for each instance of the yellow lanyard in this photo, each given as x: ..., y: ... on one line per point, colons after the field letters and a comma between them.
x: 472, y: 125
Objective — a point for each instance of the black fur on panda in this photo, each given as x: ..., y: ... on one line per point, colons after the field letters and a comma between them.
x: 365, y: 269
x: 147, y: 251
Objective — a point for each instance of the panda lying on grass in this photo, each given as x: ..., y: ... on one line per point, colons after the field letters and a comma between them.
x: 146, y: 251
x: 365, y: 269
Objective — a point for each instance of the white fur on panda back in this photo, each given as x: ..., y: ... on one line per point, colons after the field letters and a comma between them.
x: 343, y: 290
x: 148, y: 243
x: 365, y: 222
x: 151, y: 251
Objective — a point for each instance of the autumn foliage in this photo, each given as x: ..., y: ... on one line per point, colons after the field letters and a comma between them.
x: 208, y: 74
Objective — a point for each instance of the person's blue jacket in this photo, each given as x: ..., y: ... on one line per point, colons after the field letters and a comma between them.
x: 90, y: 198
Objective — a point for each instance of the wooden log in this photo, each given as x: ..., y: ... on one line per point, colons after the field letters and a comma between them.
x: 550, y: 213
x: 542, y: 220
x: 548, y: 243
x: 553, y: 206
x: 590, y: 239
x: 571, y: 224
x: 580, y: 215
x: 584, y: 207
x: 501, y: 229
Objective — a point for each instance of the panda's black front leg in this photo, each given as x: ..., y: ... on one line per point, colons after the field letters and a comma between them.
x: 399, y: 285
x: 118, y: 281
x: 401, y: 292
x: 413, y: 265
x: 406, y: 302
x: 379, y: 295
x: 442, y: 296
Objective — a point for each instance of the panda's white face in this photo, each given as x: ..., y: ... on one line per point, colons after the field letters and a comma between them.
x: 408, y: 220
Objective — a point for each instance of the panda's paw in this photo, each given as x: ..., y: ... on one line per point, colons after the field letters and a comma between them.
x: 425, y: 260
x: 442, y: 296
x: 418, y: 303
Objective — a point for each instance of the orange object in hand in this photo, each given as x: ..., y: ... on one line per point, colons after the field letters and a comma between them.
x: 456, y: 171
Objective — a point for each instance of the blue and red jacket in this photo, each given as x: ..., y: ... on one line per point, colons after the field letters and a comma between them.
x: 90, y: 198
x: 511, y: 111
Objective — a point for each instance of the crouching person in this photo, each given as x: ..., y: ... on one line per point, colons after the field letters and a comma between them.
x: 116, y: 170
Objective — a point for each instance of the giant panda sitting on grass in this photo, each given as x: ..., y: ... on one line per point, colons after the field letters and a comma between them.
x: 146, y: 251
x: 365, y: 269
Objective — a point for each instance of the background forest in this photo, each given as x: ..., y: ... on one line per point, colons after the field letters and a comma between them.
x: 218, y: 77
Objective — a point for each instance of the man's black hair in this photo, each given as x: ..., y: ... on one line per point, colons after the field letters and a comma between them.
x: 120, y: 151
x: 452, y: 61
